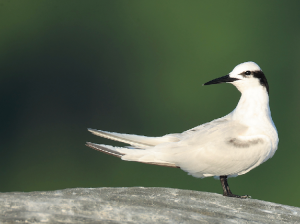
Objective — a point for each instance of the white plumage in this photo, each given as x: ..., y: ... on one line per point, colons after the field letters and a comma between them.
x: 229, y: 146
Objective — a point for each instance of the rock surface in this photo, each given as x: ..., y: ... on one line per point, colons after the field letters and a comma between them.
x: 138, y: 205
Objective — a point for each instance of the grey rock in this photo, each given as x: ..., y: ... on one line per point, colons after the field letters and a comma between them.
x: 138, y: 205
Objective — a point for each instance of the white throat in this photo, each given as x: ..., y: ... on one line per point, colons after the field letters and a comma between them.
x: 253, y: 107
x: 253, y: 111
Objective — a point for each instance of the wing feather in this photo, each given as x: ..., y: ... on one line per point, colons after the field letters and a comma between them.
x: 221, y: 147
x: 138, y: 141
x: 131, y: 155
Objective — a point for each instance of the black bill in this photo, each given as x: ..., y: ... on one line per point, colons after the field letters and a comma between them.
x: 225, y: 78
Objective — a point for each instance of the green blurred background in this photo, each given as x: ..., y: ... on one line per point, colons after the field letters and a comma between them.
x: 138, y: 67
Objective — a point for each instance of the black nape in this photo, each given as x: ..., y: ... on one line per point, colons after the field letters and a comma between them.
x: 262, y: 79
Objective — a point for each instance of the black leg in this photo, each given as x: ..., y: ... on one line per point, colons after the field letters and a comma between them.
x: 226, y: 190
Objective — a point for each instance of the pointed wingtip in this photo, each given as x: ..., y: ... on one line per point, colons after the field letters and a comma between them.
x: 93, y: 131
x: 89, y: 144
x: 104, y: 149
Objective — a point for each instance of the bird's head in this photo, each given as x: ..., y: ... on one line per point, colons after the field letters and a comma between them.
x: 244, y: 76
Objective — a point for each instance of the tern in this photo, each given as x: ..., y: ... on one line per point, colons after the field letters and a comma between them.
x: 225, y: 147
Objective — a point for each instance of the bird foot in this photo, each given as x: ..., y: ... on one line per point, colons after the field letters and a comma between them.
x: 237, y: 196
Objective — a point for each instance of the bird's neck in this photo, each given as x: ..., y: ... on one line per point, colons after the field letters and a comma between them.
x: 253, y: 106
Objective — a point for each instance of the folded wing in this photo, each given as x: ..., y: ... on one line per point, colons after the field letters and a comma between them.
x: 216, y: 148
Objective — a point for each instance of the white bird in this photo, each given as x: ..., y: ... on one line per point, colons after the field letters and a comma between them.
x: 228, y: 146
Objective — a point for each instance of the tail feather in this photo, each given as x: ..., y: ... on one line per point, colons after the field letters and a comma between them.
x: 128, y: 154
x: 119, y: 137
x: 138, y: 141
x: 104, y: 149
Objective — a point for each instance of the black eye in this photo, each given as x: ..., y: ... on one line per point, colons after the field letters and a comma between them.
x: 247, y: 73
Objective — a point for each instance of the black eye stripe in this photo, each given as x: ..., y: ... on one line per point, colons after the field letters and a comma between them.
x: 257, y: 74
x: 262, y: 79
